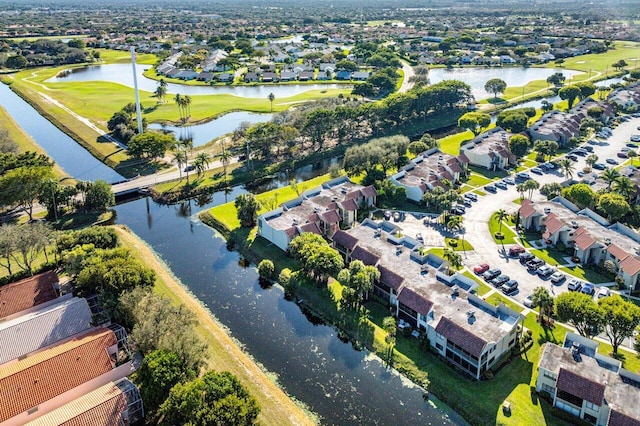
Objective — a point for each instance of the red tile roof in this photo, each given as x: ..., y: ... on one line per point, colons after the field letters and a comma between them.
x: 103, y: 406
x: 365, y: 256
x: 415, y: 301
x: 617, y: 252
x: 330, y: 216
x: 38, y: 378
x: 616, y: 418
x: 553, y: 224
x: 579, y: 386
x: 349, y: 205
x: 27, y: 293
x: 390, y: 278
x: 463, y: 159
x: 311, y: 227
x: 584, y: 241
x: 345, y: 240
x: 370, y: 191
x: 460, y: 337
x: 526, y: 209
x: 630, y: 265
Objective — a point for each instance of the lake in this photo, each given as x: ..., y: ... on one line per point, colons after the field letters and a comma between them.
x: 477, y: 77
x: 122, y: 74
x: 67, y: 153
x: 206, y: 132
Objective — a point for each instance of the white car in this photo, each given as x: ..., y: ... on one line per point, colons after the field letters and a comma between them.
x: 528, y: 301
x: 557, y: 277
x: 604, y: 292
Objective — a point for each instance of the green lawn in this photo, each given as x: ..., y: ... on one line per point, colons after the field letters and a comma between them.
x: 451, y: 144
x: 497, y: 298
x: 599, y: 62
x: 227, y: 214
x: 510, y: 237
x: 586, y: 274
x: 552, y: 256
x: 483, y: 288
x: 477, y: 180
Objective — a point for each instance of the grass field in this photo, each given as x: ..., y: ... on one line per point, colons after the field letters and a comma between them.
x: 510, y: 237
x: 599, y: 62
x: 24, y: 141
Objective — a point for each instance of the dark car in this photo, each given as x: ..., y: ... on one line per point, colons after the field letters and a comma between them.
x: 622, y: 155
x: 490, y: 188
x: 588, y: 148
x: 534, y: 264
x: 510, y: 287
x: 491, y: 274
x: 572, y: 157
x: 588, y: 288
x: 525, y: 257
x: 599, y: 166
x: 498, y: 281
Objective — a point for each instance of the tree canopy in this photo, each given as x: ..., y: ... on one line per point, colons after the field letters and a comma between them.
x: 495, y: 86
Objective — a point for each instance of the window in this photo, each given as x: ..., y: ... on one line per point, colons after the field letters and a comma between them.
x: 549, y: 375
x: 591, y: 406
x: 549, y: 389
x: 438, y: 346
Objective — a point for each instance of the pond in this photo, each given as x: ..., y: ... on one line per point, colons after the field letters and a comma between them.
x: 206, y: 132
x: 67, y: 153
x: 343, y: 385
x: 477, y: 77
x: 122, y: 74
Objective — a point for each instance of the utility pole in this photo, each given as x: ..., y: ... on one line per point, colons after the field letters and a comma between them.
x: 53, y: 196
x: 135, y: 88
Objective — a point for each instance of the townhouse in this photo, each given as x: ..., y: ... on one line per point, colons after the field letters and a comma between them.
x: 588, y: 385
x: 427, y: 171
x: 468, y: 332
x: 561, y: 126
x: 489, y: 150
x: 626, y: 98
x: 592, y: 238
x: 322, y: 210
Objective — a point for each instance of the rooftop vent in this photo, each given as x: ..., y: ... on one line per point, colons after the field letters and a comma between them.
x: 471, y: 313
x: 575, y: 351
x: 547, y: 210
x: 295, y: 221
x: 574, y: 224
x: 455, y: 291
x: 637, y: 249
x: 607, y: 241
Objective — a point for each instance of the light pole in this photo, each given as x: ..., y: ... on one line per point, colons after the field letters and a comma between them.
x: 53, y: 196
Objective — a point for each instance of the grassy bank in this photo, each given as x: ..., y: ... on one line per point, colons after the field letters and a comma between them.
x: 224, y: 353
x: 24, y: 141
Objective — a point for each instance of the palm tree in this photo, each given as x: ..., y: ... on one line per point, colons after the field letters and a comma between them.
x: 591, y: 160
x: 531, y: 185
x: 179, y: 102
x: 161, y: 90
x: 225, y: 158
x: 542, y: 299
x: 521, y: 190
x: 500, y: 216
x: 454, y: 223
x: 624, y: 186
x: 610, y: 176
x: 271, y: 98
x: 567, y: 167
x: 201, y: 162
x: 180, y: 157
x: 454, y: 259
x: 187, y: 106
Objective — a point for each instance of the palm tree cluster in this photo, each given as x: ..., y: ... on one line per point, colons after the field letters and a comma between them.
x: 161, y: 91
x: 619, y: 184
x: 184, y: 106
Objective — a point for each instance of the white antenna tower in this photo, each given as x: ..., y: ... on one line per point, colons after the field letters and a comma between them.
x: 135, y: 88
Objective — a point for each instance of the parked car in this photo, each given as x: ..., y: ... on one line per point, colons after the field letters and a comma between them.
x: 574, y: 284
x: 525, y: 257
x: 534, y: 264
x: 528, y: 301
x: 599, y: 166
x: 471, y: 196
x: 604, y: 292
x: 499, y: 280
x: 481, y: 269
x: 557, y: 277
x: 588, y: 288
x: 490, y: 188
x: 509, y: 181
x: 500, y: 185
x: 588, y: 148
x: 635, y: 138
x: 510, y: 287
x: 523, y: 176
x: 572, y: 157
x: 467, y: 202
x: 515, y: 251
x: 632, y: 145
x: 537, y: 170
x: 581, y: 173
x: 621, y: 155
x: 611, y: 161
x: 581, y: 152
x: 491, y: 274
x: 544, y: 271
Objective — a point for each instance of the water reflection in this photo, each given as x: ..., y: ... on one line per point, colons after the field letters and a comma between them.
x: 342, y: 385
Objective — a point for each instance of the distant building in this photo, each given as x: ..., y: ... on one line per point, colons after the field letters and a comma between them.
x: 490, y: 150
x: 626, y: 98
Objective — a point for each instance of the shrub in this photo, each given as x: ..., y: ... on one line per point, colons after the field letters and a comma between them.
x: 266, y: 269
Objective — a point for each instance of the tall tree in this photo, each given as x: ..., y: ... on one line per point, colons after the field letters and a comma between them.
x: 474, y: 121
x: 542, y: 299
x: 247, y: 207
x: 613, y: 205
x: 620, y: 319
x: 567, y: 167
x: 519, y: 145
x: 580, y: 310
x: 610, y: 176
x: 22, y: 186
x: 495, y: 86
x: 569, y: 94
x: 271, y: 98
x: 201, y: 163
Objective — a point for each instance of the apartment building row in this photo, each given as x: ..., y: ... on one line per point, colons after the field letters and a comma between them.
x: 592, y: 238
x: 58, y: 367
